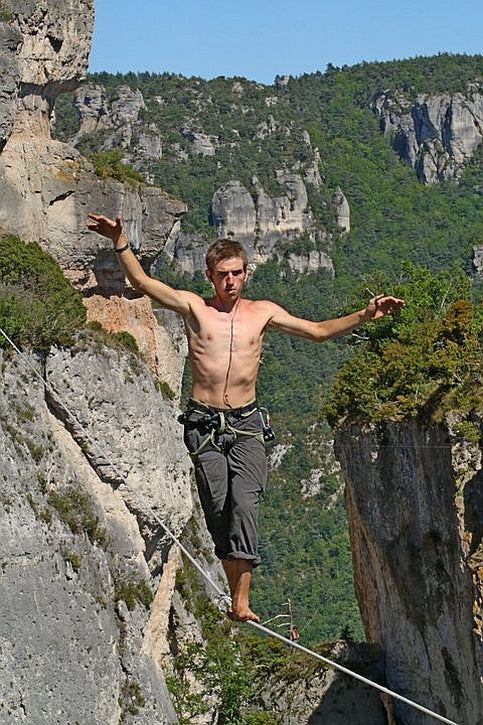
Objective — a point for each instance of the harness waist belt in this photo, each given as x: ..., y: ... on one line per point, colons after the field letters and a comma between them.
x: 204, y: 408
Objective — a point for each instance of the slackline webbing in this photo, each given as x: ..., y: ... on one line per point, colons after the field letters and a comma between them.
x: 223, y: 596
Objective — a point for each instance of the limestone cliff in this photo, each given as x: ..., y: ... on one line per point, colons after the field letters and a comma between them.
x: 47, y: 188
x: 416, y: 521
x: 259, y: 219
x: 437, y: 134
x: 81, y: 552
x: 44, y: 51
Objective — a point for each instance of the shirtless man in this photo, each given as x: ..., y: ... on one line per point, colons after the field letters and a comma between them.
x: 223, y: 426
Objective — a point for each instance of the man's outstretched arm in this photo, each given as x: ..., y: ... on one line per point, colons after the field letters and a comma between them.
x: 378, y: 307
x: 176, y: 300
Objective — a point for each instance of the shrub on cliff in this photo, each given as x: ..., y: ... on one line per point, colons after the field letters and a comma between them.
x: 109, y: 165
x: 425, y: 361
x: 38, y: 305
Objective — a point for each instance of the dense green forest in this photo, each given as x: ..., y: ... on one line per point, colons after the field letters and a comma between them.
x: 405, y: 238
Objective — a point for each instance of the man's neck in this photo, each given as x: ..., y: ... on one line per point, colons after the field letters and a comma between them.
x: 227, y: 306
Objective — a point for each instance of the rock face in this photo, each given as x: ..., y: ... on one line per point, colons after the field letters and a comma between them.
x: 416, y: 524
x: 343, y: 212
x: 81, y: 540
x: 326, y: 697
x: 120, y: 120
x: 74, y: 645
x: 47, y: 188
x: 44, y: 51
x: 478, y: 259
x: 437, y: 135
x: 263, y: 222
x: 235, y: 213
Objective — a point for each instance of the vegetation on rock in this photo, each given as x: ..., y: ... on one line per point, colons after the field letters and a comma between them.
x: 426, y: 361
x: 38, y: 306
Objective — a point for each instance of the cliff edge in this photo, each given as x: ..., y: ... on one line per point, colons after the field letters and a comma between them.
x: 416, y: 520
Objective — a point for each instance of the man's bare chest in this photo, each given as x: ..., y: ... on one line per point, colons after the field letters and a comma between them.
x: 216, y: 330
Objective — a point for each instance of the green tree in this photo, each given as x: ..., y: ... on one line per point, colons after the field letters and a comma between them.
x: 38, y: 306
x: 416, y: 362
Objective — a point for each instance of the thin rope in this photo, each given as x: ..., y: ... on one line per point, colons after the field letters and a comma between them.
x: 221, y: 594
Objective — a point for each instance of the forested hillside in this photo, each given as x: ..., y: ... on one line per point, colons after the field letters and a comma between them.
x: 403, y: 233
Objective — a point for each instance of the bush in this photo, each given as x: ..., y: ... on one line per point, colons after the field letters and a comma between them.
x: 127, y: 341
x: 415, y: 363
x: 133, y: 590
x: 75, y: 509
x: 109, y: 165
x: 38, y: 305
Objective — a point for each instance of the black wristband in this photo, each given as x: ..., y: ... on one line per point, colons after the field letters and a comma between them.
x: 122, y: 249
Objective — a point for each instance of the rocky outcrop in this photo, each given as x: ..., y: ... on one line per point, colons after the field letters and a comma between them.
x: 201, y: 143
x: 46, y: 191
x: 258, y: 219
x: 266, y: 219
x: 120, y: 120
x: 437, y: 135
x: 285, y: 215
x: 311, y: 261
x: 188, y: 251
x: 326, y: 697
x: 233, y: 212
x: 416, y: 524
x: 47, y: 188
x: 82, y: 545
x: 264, y: 224
x: 478, y: 259
x: 44, y: 51
x: 342, y: 211
x: 79, y: 540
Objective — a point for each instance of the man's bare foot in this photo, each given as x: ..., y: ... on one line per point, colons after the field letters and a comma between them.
x: 242, y: 616
x: 239, y: 572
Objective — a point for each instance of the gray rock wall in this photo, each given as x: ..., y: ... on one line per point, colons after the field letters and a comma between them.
x: 259, y: 220
x: 44, y: 51
x: 82, y: 546
x: 327, y: 697
x: 263, y: 222
x: 46, y: 191
x: 46, y: 187
x: 438, y: 135
x: 73, y: 648
x: 413, y: 537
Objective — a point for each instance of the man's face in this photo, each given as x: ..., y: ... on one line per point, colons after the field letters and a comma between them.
x: 228, y: 278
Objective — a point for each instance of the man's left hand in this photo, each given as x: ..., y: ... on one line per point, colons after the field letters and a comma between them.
x: 382, y: 305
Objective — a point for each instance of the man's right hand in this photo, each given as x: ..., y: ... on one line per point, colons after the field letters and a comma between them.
x: 105, y: 227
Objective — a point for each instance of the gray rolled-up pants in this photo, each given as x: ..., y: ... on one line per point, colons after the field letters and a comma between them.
x: 230, y: 462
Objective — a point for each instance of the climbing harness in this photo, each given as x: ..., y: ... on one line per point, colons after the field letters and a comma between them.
x: 223, y: 598
x: 214, y: 422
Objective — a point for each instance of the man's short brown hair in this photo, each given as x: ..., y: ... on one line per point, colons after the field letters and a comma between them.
x: 225, y: 249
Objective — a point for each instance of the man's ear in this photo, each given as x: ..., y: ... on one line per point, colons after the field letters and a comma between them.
x: 208, y: 275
